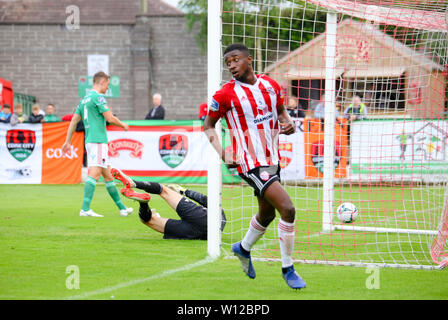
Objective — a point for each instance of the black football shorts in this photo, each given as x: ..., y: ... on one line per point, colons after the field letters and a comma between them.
x: 192, y: 223
x: 261, y: 178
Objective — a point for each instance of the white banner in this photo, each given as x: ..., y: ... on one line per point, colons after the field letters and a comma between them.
x: 292, y: 155
x: 148, y: 152
x: 399, y: 147
x: 159, y: 152
x: 171, y: 151
x: 20, y: 153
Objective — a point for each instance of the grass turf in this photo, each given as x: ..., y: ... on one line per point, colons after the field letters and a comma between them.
x: 41, y: 234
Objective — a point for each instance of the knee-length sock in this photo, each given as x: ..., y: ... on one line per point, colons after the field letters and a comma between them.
x: 89, y: 190
x: 255, y: 232
x: 113, y: 192
x: 286, y: 236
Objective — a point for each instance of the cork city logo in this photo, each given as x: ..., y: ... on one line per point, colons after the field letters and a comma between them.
x: 20, y: 143
x: 285, y: 149
x: 135, y: 147
x: 173, y: 149
x: 317, y: 155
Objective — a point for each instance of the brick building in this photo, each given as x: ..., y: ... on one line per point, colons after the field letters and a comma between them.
x: 150, y: 50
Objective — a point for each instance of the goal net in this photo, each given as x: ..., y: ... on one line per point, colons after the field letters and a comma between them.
x: 370, y: 78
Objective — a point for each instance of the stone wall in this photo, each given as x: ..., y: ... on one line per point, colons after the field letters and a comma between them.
x: 179, y: 69
x: 46, y: 60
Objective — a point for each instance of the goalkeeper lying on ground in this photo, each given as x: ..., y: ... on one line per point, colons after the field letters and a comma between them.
x: 193, y: 217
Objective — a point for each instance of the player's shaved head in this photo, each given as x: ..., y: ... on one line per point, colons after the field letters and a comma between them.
x: 237, y: 46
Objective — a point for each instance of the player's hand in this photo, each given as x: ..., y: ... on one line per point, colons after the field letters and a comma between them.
x: 287, y: 128
x: 232, y: 165
x: 65, y: 147
x: 125, y: 126
x: 230, y: 160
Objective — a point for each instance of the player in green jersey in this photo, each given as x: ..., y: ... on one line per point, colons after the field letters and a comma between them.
x: 94, y: 113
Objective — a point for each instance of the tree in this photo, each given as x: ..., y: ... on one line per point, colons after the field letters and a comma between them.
x: 263, y: 28
x: 196, y: 14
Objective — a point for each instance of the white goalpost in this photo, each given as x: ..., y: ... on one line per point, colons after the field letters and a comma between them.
x: 330, y: 109
x: 214, y: 161
x: 391, y: 161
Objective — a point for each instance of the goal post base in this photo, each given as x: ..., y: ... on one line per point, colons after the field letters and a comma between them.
x: 357, y: 264
x: 386, y: 230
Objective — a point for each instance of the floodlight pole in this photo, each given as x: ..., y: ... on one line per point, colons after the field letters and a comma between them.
x: 214, y: 181
x: 330, y: 107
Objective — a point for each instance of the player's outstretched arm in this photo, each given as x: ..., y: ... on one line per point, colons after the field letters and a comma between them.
x: 108, y: 115
x: 287, y: 126
x: 210, y: 131
x: 71, y: 129
x: 197, y: 196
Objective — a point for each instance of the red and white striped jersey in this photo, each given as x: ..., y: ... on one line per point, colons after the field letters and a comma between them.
x: 252, y: 116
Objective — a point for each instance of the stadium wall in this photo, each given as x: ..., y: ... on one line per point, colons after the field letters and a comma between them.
x: 157, y: 54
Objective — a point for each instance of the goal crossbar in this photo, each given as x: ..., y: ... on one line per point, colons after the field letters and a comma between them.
x: 403, y: 17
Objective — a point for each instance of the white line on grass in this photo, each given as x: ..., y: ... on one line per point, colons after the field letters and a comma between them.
x: 137, y: 281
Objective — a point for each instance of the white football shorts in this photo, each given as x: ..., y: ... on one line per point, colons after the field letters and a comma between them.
x: 97, y: 155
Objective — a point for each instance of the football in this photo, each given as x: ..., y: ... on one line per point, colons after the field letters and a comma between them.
x: 347, y: 212
x: 25, y: 172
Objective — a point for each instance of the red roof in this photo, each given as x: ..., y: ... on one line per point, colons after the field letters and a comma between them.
x: 90, y: 11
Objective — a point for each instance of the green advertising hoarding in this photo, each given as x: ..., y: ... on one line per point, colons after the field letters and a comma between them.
x: 85, y: 84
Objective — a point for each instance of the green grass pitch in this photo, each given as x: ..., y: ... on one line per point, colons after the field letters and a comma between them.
x: 41, y: 235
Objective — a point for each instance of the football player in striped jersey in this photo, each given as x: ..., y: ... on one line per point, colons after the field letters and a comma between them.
x: 253, y: 108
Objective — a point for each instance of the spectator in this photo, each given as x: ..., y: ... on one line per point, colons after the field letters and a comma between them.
x: 67, y: 117
x: 338, y: 111
x: 356, y: 110
x: 319, y: 112
x: 338, y: 108
x: 319, y: 109
x: 18, y: 116
x: 369, y: 99
x: 294, y: 108
x: 41, y: 111
x: 158, y: 111
x: 5, y: 114
x: 79, y: 126
x: 35, y: 116
x: 312, y: 104
x: 50, y: 116
x: 203, y: 111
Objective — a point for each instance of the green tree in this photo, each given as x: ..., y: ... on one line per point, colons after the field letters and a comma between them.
x: 196, y: 15
x: 264, y: 28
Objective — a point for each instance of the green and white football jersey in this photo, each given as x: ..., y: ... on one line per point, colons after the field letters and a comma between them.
x: 91, y: 110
